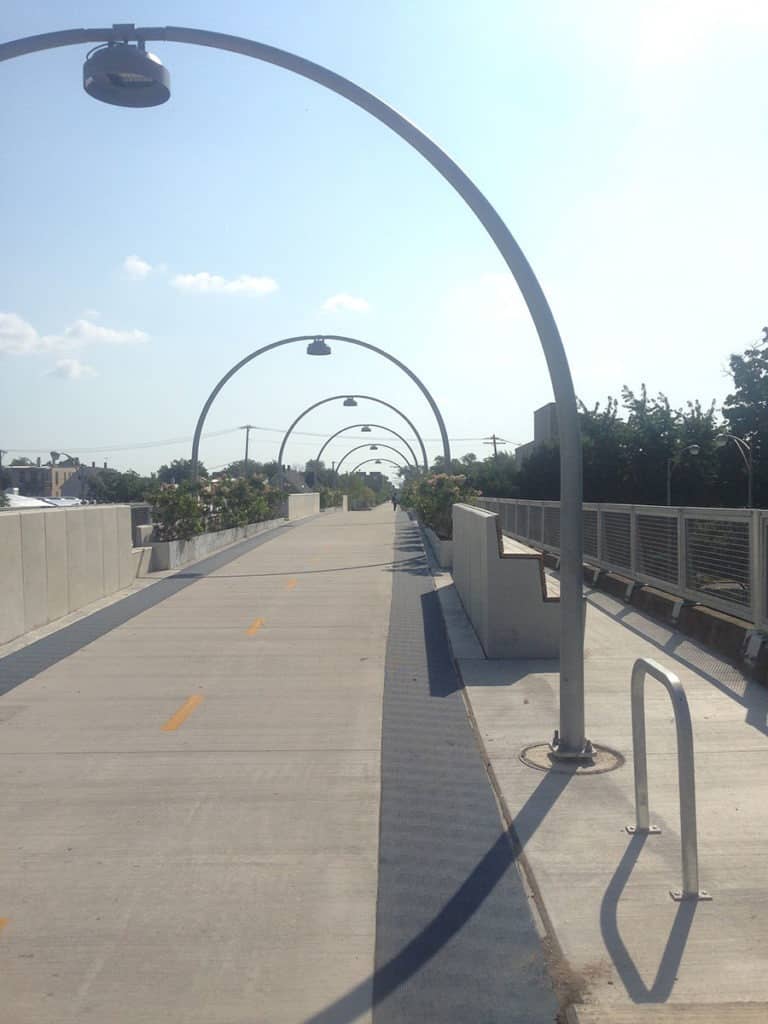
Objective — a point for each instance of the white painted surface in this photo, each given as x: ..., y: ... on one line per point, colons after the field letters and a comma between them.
x: 54, y: 561
x: 503, y: 593
x: 302, y: 505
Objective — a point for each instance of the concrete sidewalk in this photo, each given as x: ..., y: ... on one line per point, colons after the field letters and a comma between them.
x: 631, y: 953
x: 190, y: 801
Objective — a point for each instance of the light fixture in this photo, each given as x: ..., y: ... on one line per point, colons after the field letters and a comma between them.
x: 126, y: 75
x: 348, y: 401
x: 318, y: 347
x: 374, y: 447
x: 365, y: 430
x: 721, y: 440
x: 377, y: 462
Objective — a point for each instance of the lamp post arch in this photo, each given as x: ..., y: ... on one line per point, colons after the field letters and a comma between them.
x: 336, y: 398
x: 312, y: 338
x: 569, y: 740
x: 366, y: 461
x: 367, y: 445
x: 379, y: 426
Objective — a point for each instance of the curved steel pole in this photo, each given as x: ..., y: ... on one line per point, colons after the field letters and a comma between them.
x: 570, y: 740
x: 310, y: 337
x: 368, y: 445
x: 379, y: 426
x: 366, y: 461
x: 337, y: 398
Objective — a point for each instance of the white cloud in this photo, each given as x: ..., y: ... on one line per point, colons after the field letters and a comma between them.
x: 213, y: 283
x: 17, y: 337
x: 136, y: 268
x: 346, y: 302
x: 72, y: 369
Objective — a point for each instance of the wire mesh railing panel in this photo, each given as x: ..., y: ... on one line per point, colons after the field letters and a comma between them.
x: 657, y: 553
x: 508, y: 517
x: 589, y: 523
x: 616, y: 539
x: 551, y: 528
x: 717, y: 559
x: 522, y: 520
x: 535, y: 519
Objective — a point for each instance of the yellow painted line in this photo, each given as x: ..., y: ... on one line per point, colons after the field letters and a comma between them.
x: 254, y: 627
x: 291, y: 584
x: 183, y: 713
x: 3, y: 922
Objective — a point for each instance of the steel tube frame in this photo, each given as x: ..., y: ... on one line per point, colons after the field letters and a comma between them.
x: 379, y: 426
x: 745, y: 450
x: 368, y: 445
x: 571, y: 739
x: 366, y: 461
x: 685, y: 771
x: 337, y: 398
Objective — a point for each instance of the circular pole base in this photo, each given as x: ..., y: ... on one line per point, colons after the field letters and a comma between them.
x: 587, y: 752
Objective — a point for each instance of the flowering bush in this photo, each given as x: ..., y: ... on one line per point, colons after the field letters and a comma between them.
x: 433, y: 497
x: 179, y: 513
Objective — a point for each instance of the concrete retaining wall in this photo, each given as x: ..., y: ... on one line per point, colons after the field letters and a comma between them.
x: 169, y: 554
x: 504, y: 595
x: 441, y: 549
x: 54, y: 561
x: 302, y: 505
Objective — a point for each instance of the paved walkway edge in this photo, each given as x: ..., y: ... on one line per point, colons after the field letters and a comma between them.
x: 464, y: 645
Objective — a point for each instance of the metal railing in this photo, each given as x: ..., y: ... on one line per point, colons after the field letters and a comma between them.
x: 715, y: 556
x: 685, y: 772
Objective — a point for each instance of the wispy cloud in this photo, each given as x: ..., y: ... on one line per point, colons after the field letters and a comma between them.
x: 19, y: 338
x: 136, y: 268
x: 206, y: 283
x: 71, y: 369
x: 342, y: 301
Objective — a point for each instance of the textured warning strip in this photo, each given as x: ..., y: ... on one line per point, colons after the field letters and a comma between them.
x: 455, y: 937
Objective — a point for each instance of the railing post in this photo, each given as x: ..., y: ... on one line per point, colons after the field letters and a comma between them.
x: 685, y: 772
x: 756, y: 563
x: 682, y: 553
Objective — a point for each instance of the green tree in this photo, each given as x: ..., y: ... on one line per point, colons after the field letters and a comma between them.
x: 746, y: 415
x: 179, y: 472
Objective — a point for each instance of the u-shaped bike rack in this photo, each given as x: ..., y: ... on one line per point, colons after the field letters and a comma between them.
x: 685, y: 772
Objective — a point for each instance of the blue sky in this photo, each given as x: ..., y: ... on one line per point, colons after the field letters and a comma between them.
x: 147, y: 251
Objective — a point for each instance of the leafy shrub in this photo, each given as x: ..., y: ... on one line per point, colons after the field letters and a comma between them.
x: 433, y: 497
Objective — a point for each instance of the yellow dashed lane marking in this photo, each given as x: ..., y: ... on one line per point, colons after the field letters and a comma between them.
x: 3, y: 922
x: 254, y: 627
x: 183, y: 713
x: 291, y: 584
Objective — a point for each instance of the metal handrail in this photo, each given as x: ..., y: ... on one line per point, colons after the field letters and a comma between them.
x: 685, y: 772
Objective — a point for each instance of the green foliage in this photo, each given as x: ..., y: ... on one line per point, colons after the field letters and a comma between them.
x: 330, y: 498
x: 110, y: 485
x: 4, y: 502
x: 179, y: 472
x: 236, y: 503
x: 433, y: 497
x: 177, y: 513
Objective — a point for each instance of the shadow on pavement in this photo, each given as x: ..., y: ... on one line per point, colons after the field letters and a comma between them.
x: 672, y: 956
x: 753, y: 697
x: 404, y: 564
x: 465, y: 901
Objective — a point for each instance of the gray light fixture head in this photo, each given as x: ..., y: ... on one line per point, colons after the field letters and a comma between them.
x: 365, y: 430
x: 126, y: 75
x: 374, y: 447
x: 377, y: 462
x: 349, y: 402
x: 720, y: 440
x: 318, y: 347
x: 694, y: 449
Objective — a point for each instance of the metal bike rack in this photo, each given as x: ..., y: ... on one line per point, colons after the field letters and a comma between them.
x: 685, y: 772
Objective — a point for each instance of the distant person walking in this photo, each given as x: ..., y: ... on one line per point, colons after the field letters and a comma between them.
x: 394, y: 502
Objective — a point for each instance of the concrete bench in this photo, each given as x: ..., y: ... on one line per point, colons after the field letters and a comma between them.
x: 513, y: 606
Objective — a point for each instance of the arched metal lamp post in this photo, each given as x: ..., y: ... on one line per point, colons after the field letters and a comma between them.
x: 125, y: 74
x: 358, y: 447
x: 377, y: 461
x: 366, y: 430
x: 349, y: 400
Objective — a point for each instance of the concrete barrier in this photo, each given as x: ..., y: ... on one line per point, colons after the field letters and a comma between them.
x: 504, y: 592
x: 169, y: 554
x: 302, y: 505
x: 55, y: 561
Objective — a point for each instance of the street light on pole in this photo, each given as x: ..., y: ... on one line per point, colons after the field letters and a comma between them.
x: 745, y: 450
x: 672, y: 461
x: 126, y: 67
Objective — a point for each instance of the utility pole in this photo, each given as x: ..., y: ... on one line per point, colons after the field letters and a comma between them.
x: 3, y: 452
x: 247, y: 428
x: 495, y: 440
